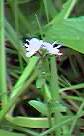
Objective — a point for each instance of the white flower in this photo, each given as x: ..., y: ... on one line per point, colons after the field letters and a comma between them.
x: 33, y: 46
x: 55, y: 51
x: 52, y: 50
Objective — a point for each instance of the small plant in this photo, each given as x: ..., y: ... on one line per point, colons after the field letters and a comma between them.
x: 41, y: 78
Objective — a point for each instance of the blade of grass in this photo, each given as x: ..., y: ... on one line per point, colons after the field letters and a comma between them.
x: 76, y: 117
x: 46, y: 10
x: 15, y: 99
x: 66, y: 121
x: 18, y: 88
x: 20, y: 1
x: 16, y: 16
x: 17, y: 29
x: 56, y: 126
x: 3, y: 84
x: 73, y: 98
x: 72, y: 4
x: 78, y: 86
x: 21, y: 16
x: 39, y: 25
x: 65, y: 12
x: 28, y: 131
x: 14, y: 39
x: 33, y: 122
x: 9, y: 133
x: 25, y: 75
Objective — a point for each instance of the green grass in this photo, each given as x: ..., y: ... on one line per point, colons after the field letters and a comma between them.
x: 3, y: 84
x: 38, y: 95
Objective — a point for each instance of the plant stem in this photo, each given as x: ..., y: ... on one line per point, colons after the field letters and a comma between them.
x: 54, y: 80
x: 55, y: 91
x: 3, y: 84
x: 70, y: 9
x: 49, y: 116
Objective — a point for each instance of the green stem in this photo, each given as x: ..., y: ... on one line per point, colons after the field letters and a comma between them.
x: 20, y: 62
x: 70, y: 9
x: 78, y: 86
x: 49, y: 116
x: 3, y: 84
x: 54, y: 80
x: 55, y: 91
x: 15, y: 8
x: 39, y: 25
x: 46, y: 10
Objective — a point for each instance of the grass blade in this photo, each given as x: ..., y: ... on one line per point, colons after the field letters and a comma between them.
x: 3, y: 85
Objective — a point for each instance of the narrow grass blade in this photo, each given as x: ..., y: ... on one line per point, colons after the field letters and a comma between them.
x: 56, y: 126
x: 77, y: 116
x: 65, y: 12
x: 78, y: 86
x: 19, y: 91
x: 3, y: 84
x: 8, y: 133
x: 46, y: 9
x: 25, y: 75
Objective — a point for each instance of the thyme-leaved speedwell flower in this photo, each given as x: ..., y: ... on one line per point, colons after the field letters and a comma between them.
x: 33, y: 45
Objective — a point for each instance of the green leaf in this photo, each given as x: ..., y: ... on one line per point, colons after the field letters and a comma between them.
x: 7, y: 133
x: 41, y: 107
x: 54, y: 106
x: 65, y: 12
x: 39, y: 82
x: 69, y: 32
